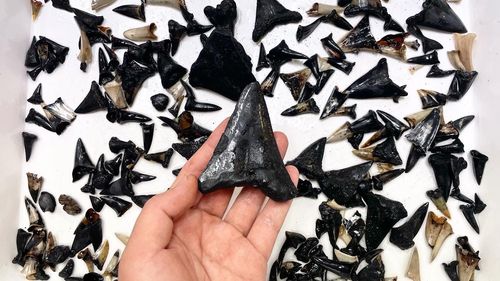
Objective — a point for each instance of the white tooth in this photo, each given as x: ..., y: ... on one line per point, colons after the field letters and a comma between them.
x: 414, y: 267
x: 454, y: 57
x: 415, y: 68
x: 143, y: 33
x: 171, y: 3
x: 111, y: 266
x: 99, y: 4
x: 343, y: 235
x: 61, y: 110
x: 416, y: 117
x: 320, y: 9
x: 343, y: 257
x: 446, y: 231
x: 323, y: 64
x: 340, y: 134
x: 115, y: 92
x: 101, y: 254
x: 464, y: 44
x: 334, y: 205
x: 122, y: 237
x: 85, y: 55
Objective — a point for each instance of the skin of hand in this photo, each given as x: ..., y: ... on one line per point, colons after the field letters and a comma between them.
x: 183, y: 235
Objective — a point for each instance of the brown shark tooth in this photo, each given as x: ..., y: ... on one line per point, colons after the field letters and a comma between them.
x: 437, y: 229
x: 296, y: 81
x: 437, y: 198
x: 308, y: 106
x: 34, y: 185
x: 431, y: 98
x: 383, y: 152
x: 413, y: 271
x: 393, y: 45
x: 342, y: 133
x: 360, y: 38
x: 142, y: 33
x: 467, y: 258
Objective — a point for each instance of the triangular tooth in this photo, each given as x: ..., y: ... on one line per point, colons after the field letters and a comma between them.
x: 96, y: 202
x: 308, y: 106
x: 310, y: 161
x: 461, y: 83
x: 60, y: 110
x: 468, y: 260
x: 426, y: 59
x: 303, y: 31
x: 431, y: 98
x: 254, y: 146
x: 133, y: 76
x: 161, y: 157
x: 468, y: 212
x: 93, y: 101
x: 334, y: 102
x: 36, y: 97
x: 115, y: 92
x: 28, y: 141
x: 101, y: 255
x: 281, y: 54
x: 479, y: 205
x: 337, y: 20
x: 366, y: 124
x: 479, y: 162
x: 394, y: 45
x: 140, y: 200
x: 413, y: 271
x: 332, y: 48
x: 193, y: 105
x: 445, y: 232
x: 118, y: 205
x: 451, y: 270
x: 436, y: 72
x: 137, y: 177
x: 423, y: 134
x: 403, y: 235
x: 263, y: 62
x: 437, y: 14
x: 187, y: 150
x: 132, y: 11
x: 147, y: 135
x: 296, y: 81
x: 439, y: 201
x: 360, y: 38
x: 177, y: 32
x: 269, y: 14
x: 342, y: 133
x: 269, y: 83
x: 427, y: 43
x: 82, y: 164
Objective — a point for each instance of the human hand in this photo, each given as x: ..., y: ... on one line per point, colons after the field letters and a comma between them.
x: 184, y: 235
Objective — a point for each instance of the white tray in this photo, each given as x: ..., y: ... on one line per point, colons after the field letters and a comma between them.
x: 53, y: 155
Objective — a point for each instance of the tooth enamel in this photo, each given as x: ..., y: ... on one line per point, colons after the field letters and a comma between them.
x: 414, y: 267
x: 85, y: 55
x: 99, y: 4
x: 320, y: 9
x: 464, y: 44
x: 141, y: 33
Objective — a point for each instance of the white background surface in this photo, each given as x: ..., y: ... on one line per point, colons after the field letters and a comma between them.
x: 53, y: 155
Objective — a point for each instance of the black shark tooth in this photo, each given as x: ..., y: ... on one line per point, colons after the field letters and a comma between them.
x: 67, y: 270
x: 454, y: 147
x: 36, y: 97
x: 332, y: 48
x: 441, y: 165
x: 323, y: 78
x: 479, y: 161
x: 403, y: 235
x: 269, y: 14
x: 392, y: 124
x: 457, y: 166
x: 313, y: 64
x: 89, y: 231
x: 437, y: 14
x: 259, y: 162
x: 133, y: 75
x: 194, y: 27
x: 375, y: 84
x: 105, y: 74
x: 83, y: 165
x: 267, y: 86
x: 337, y: 20
x: 374, y: 9
x: 62, y: 4
x: 140, y: 200
x: 118, y: 205
x: 461, y: 83
x: 28, y: 141
x: 382, y: 215
x: 193, y: 105
x: 160, y: 101
x: 137, y: 177
x: 479, y: 205
x: 457, y: 194
x: 38, y: 119
x: 147, y: 135
x: 334, y: 102
x: 305, y: 189
x: 161, y: 157
x: 427, y: 59
x: 451, y: 270
x: 187, y: 150
x: 381, y: 179
x: 342, y: 65
x: 304, y: 31
x: 113, y: 165
x: 308, y: 106
x: 307, y: 93
x: 310, y: 161
x: 359, y: 38
x: 124, y: 116
x: 132, y: 11
x: 385, y: 152
x: 436, y: 72
x: 32, y: 59
x: 185, y: 127
x: 177, y: 32
x: 281, y: 54
x: 366, y: 124
x: 263, y: 62
x: 296, y: 81
x: 47, y: 202
x: 422, y: 136
x: 431, y: 98
x: 170, y: 71
x: 339, y: 268
x: 94, y: 100
x: 96, y: 202
x: 468, y: 212
x: 427, y: 43
x: 119, y: 43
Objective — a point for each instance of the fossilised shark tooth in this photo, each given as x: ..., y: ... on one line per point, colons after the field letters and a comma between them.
x: 62, y: 4
x: 423, y: 134
x: 384, y: 152
x: 85, y: 55
x: 115, y: 92
x: 427, y: 59
x: 306, y: 189
x: 437, y: 229
x: 118, y: 205
x: 269, y: 14
x: 461, y: 83
x: 34, y: 185
x: 101, y: 255
x: 413, y: 271
x: 105, y: 74
x: 193, y: 105
x: 360, y: 38
x: 382, y: 215
x: 177, y: 32
x: 428, y: 44
x: 454, y: 147
x: 332, y: 48
x: 337, y: 20
x: 252, y: 149
x: 89, y: 231
x: 457, y: 194
x: 94, y: 100
x: 28, y: 141
x: 342, y: 65
x: 442, y: 168
x: 82, y: 164
x: 187, y: 130
x: 349, y: 111
x: 392, y: 124
x: 281, y: 54
x: 310, y: 161
x: 437, y: 14
x: 96, y: 202
x: 463, y: 44
x: 263, y: 62
x: 161, y: 157
x: 36, y: 97
x: 113, y: 165
x: 143, y: 33
x: 320, y: 9
x: 147, y: 135
x: 269, y: 84
x: 375, y: 84
x: 468, y: 260
x: 479, y: 205
x: 451, y: 270
x: 296, y: 81
x: 60, y: 110
x: 188, y: 149
x: 304, y: 31
x: 133, y: 76
x: 177, y: 91
x: 193, y: 27
x: 366, y: 124
x: 403, y: 235
x: 308, y: 106
x: 36, y: 6
x: 132, y: 11
x: 340, y: 134
x: 36, y: 118
x: 439, y: 201
x: 431, y: 98
x: 123, y: 116
x: 67, y: 270
x: 393, y: 45
x: 159, y: 101
x: 468, y: 212
x: 100, y: 4
x: 436, y: 72
x: 373, y: 8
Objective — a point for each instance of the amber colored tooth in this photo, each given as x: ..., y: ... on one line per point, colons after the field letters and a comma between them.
x: 143, y: 33
x: 320, y: 9
x: 414, y: 268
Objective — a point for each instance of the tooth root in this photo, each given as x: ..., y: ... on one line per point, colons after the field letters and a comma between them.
x: 100, y: 4
x: 320, y: 9
x: 101, y: 255
x: 364, y: 153
x: 340, y: 134
x: 464, y: 44
x: 414, y: 268
x: 85, y: 55
x: 467, y: 263
x: 446, y: 231
x: 141, y: 33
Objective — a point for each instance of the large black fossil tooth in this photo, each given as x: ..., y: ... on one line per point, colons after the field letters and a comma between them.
x: 36, y: 118
x: 70, y: 205
x: 82, y: 164
x: 461, y: 83
x: 359, y: 38
x: 454, y: 147
x: 342, y: 65
x: 140, y: 200
x: 422, y: 136
x: 34, y: 185
x: 176, y: 31
x: 147, y: 135
x: 375, y: 84
x: 334, y: 18
x: 479, y: 161
x: 185, y: 127
x: 94, y: 100
x: 296, y: 81
x: 222, y: 66
x: 281, y: 54
x: 436, y: 72
x: 308, y: 106
x: 222, y: 16
x: 170, y: 71
x: 342, y: 185
x: 457, y: 194
x: 468, y: 211
x: 441, y: 165
x: 256, y: 160
x: 457, y: 166
x: 269, y: 14
x: 118, y: 205
x: 437, y: 197
x: 160, y: 101
x: 341, y: 269
x: 47, y: 202
x: 193, y: 105
x: 67, y: 270
x: 133, y: 75
x: 62, y: 4
x: 403, y: 235
x: 161, y: 157
x: 382, y: 215
x: 132, y: 11
x: 36, y: 97
x: 366, y: 124
x: 310, y: 161
x: 188, y: 149
x: 28, y: 141
x: 385, y: 152
x: 89, y: 231
x: 437, y: 14
x: 105, y: 74
x: 96, y: 202
x: 427, y: 59
x: 431, y: 98
x: 479, y: 205
x: 332, y: 48
x: 306, y: 189
x: 392, y: 124
x: 263, y: 62
x: 334, y: 102
x: 428, y: 44
x: 292, y: 240
x: 303, y: 31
